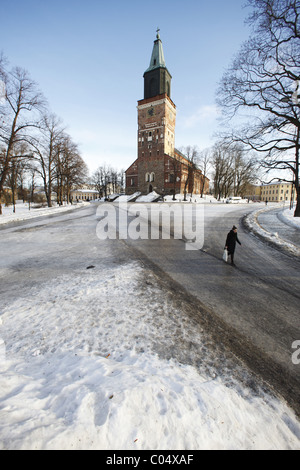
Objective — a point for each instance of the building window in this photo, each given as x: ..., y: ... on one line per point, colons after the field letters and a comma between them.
x: 152, y: 177
x: 147, y: 177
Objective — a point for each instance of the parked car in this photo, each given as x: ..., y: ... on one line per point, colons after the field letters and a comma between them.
x: 233, y: 200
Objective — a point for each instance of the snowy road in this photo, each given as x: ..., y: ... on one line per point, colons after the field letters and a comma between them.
x: 272, y: 221
x: 254, y: 307
x: 148, y: 339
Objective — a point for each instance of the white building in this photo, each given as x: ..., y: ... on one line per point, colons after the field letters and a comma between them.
x: 83, y: 195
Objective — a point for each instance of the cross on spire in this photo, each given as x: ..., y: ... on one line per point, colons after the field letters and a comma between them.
x: 157, y: 33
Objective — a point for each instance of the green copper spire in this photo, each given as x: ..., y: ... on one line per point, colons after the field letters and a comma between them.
x: 157, y: 58
x: 157, y: 78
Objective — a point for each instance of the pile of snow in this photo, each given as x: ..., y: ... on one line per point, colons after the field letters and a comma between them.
x: 112, y: 197
x: 288, y: 216
x: 151, y: 197
x: 24, y: 212
x: 85, y: 364
x: 252, y: 224
x: 196, y: 198
x: 128, y: 198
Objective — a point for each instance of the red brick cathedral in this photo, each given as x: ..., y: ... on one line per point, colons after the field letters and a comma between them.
x: 159, y: 166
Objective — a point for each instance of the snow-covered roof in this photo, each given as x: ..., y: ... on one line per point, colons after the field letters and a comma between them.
x: 84, y: 191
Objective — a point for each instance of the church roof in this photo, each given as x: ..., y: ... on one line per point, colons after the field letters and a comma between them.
x: 157, y: 58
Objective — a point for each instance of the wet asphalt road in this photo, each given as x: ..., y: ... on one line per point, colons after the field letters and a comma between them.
x: 273, y: 222
x: 252, y: 309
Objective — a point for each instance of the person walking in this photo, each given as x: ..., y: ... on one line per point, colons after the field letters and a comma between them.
x: 231, y: 240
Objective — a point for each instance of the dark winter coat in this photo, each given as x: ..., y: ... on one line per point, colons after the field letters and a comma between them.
x: 231, y: 240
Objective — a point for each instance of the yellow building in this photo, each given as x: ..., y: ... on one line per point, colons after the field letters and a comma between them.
x: 278, y: 192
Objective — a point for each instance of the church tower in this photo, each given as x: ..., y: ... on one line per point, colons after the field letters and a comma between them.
x: 156, y: 122
x: 159, y: 166
x: 156, y: 127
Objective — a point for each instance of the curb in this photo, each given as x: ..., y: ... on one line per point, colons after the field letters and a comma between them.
x: 252, y: 225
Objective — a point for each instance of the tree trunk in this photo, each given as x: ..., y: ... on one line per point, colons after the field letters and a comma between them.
x: 297, y: 187
x: 7, y: 158
x: 297, y: 210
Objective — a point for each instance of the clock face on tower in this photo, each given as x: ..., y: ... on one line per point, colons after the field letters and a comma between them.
x: 151, y: 111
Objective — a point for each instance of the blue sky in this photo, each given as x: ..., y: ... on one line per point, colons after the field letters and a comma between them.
x: 88, y: 58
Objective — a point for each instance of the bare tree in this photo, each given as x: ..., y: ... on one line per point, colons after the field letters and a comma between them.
x: 17, y: 168
x: 114, y: 180
x: 204, y: 163
x: 97, y: 181
x: 175, y: 172
x: 121, y: 176
x: 32, y: 172
x: 244, y: 167
x: 71, y: 170
x: 234, y: 169
x: 222, y: 170
x: 102, y: 179
x: 19, y: 113
x: 46, y: 145
x: 192, y: 156
x: 264, y: 80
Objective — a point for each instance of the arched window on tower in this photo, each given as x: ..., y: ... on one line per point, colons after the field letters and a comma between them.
x: 147, y: 177
x: 152, y: 177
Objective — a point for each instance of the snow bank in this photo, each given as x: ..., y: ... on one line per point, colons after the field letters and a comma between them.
x: 128, y: 198
x: 23, y: 212
x: 198, y: 199
x: 151, y: 197
x: 195, y: 199
x: 85, y: 365
x: 112, y: 197
x: 288, y: 217
x: 253, y: 225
